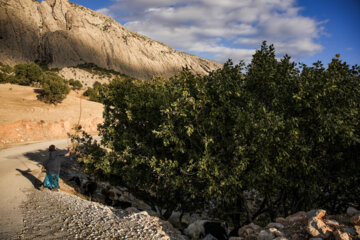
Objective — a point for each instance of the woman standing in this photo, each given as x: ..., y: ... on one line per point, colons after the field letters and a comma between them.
x: 52, y: 166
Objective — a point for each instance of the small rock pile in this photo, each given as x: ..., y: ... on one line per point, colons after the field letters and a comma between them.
x: 313, y: 225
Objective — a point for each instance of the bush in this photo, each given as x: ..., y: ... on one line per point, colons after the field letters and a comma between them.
x: 10, y: 79
x: 75, y: 84
x: 6, y: 68
x: 97, y: 92
x: 6, y: 73
x: 94, y: 69
x: 54, y: 89
x: 3, y: 77
x: 28, y: 74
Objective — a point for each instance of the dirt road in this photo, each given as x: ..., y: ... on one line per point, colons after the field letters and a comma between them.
x: 18, y: 166
x: 27, y: 213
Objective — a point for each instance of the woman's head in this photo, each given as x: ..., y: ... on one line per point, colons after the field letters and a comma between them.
x: 52, y: 148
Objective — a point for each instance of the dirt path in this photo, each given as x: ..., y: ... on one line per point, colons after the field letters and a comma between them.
x: 16, y: 182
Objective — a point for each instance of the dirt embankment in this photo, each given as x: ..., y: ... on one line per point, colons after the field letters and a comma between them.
x: 23, y: 118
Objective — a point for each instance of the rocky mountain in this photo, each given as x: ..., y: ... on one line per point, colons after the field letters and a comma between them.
x: 62, y: 34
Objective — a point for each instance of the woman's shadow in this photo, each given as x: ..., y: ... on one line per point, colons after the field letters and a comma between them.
x: 34, y: 180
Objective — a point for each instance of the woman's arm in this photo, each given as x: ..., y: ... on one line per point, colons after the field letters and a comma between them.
x: 69, y: 150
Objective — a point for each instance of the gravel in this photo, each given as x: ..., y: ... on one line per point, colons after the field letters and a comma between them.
x: 57, y: 215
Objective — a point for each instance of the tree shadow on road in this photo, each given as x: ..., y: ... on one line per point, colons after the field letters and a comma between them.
x: 38, y: 156
x: 34, y: 180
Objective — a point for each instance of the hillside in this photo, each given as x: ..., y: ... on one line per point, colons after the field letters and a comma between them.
x: 60, y: 34
x: 23, y: 118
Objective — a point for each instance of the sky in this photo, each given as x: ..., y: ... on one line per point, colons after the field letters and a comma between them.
x: 307, y: 30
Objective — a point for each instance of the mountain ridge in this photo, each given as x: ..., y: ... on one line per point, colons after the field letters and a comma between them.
x: 62, y: 34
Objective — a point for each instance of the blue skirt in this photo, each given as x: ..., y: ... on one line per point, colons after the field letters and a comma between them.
x: 52, y: 181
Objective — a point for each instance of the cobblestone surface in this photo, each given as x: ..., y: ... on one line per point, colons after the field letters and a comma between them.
x: 57, y: 215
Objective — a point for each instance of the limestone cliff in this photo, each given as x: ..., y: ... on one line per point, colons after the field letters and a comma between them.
x: 61, y: 34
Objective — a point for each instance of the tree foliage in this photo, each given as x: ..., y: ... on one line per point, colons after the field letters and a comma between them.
x: 26, y: 74
x: 75, y: 84
x: 3, y: 77
x: 97, y: 92
x: 54, y: 88
x: 288, y: 134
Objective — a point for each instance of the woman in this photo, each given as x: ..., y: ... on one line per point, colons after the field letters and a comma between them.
x: 52, y: 166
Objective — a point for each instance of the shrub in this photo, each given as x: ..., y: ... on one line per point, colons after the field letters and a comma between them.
x: 97, y: 92
x: 75, y: 84
x: 94, y: 69
x: 3, y: 77
x: 54, y: 89
x: 6, y: 68
x: 10, y: 79
x: 28, y: 74
x: 6, y: 74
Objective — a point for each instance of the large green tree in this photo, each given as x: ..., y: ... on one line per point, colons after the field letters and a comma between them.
x: 287, y: 135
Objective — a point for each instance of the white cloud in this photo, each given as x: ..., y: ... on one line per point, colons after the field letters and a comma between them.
x: 221, y: 29
x: 105, y: 11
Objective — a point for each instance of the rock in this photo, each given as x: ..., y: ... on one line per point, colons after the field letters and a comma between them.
x: 280, y: 220
x: 90, y: 188
x: 299, y: 216
x: 343, y: 218
x: 210, y: 237
x: 206, y: 227
x: 332, y: 222
x: 350, y: 231
x: 280, y: 238
x: 276, y: 232
x: 317, y: 228
x: 316, y: 238
x: 318, y: 213
x: 255, y: 227
x: 341, y: 235
x: 357, y: 229
x: 248, y: 230
x: 265, y: 235
x: 295, y: 236
x: 236, y: 238
x: 351, y: 211
x: 355, y: 219
x: 275, y: 225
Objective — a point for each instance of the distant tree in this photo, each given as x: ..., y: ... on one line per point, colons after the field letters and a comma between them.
x: 28, y: 74
x: 6, y: 68
x: 97, y: 92
x: 75, y: 84
x: 3, y: 77
x: 55, y: 89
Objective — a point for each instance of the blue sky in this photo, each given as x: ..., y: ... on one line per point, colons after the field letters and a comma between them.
x: 308, y: 30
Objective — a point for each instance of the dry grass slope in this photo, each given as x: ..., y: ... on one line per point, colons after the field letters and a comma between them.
x: 24, y: 119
